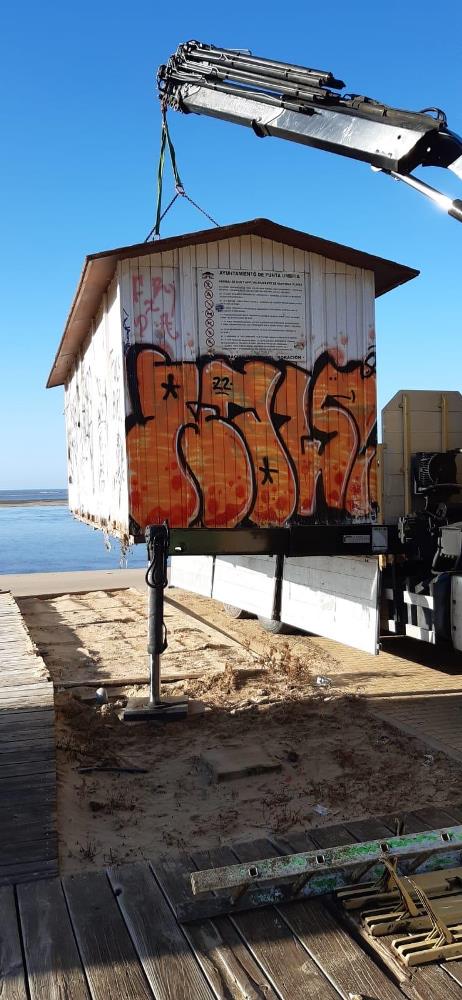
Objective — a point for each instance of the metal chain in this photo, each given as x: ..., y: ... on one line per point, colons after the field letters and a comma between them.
x: 199, y: 209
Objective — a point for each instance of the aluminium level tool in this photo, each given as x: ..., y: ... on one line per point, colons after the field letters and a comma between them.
x: 304, y: 105
x: 310, y: 873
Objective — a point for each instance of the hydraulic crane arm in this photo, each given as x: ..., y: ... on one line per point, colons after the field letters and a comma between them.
x: 304, y: 105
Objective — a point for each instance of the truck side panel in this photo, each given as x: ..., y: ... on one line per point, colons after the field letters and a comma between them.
x: 194, y: 573
x: 248, y: 583
x: 333, y: 596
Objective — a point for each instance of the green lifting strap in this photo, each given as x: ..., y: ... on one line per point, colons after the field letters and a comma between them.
x: 165, y: 139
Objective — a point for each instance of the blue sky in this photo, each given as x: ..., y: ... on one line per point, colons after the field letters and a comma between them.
x: 80, y: 130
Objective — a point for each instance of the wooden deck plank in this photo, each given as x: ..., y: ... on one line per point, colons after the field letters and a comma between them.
x: 19, y: 750
x: 10, y: 754
x: 22, y: 704
x: 42, y: 740
x: 24, y: 698
x: 52, y: 959
x: 36, y: 787
x: 16, y: 677
x: 176, y: 886
x: 227, y: 963
x: 33, y: 665
x: 27, y: 754
x: 12, y: 978
x: 340, y: 957
x: 29, y: 871
x: 440, y: 817
x: 15, y: 755
x: 106, y: 949
x: 435, y: 818
x: 33, y: 767
x: 456, y: 811
x: 28, y: 783
x: 32, y: 851
x: 30, y: 848
x: 25, y: 833
x: 20, y: 816
x: 169, y: 964
x: 369, y: 829
x: 332, y: 836
x: 25, y: 738
x: 13, y: 722
x: 274, y: 947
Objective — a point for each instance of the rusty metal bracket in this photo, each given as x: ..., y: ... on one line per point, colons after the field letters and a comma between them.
x: 441, y: 940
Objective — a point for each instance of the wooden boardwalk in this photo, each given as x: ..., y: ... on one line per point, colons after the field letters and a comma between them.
x: 28, y: 837
x: 112, y: 934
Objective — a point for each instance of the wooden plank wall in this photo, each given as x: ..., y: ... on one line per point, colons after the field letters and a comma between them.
x: 152, y: 301
x: 340, y: 299
x: 28, y: 837
x: 159, y: 301
x: 95, y: 423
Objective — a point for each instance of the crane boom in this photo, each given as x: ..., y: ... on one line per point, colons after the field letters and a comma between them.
x: 306, y: 106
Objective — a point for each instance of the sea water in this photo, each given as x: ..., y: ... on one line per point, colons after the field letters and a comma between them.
x: 43, y: 538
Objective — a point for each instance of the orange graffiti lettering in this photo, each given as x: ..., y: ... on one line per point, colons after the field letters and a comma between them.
x: 220, y: 443
x: 159, y: 486
x: 217, y: 457
x: 246, y: 397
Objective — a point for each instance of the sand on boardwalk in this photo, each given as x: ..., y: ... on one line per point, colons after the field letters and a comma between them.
x: 337, y: 761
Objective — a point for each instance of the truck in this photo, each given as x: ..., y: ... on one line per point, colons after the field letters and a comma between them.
x: 416, y: 591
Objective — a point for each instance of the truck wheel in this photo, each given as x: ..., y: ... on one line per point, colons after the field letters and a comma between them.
x: 234, y: 612
x: 275, y: 627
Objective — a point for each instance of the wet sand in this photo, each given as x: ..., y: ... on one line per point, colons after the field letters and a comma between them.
x: 127, y: 792
x: 76, y: 581
x: 33, y: 503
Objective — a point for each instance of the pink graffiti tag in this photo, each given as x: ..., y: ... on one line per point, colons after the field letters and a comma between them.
x: 156, y: 309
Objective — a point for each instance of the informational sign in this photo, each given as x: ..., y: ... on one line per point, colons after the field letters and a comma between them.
x: 258, y: 313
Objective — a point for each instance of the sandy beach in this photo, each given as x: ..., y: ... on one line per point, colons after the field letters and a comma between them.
x: 127, y: 791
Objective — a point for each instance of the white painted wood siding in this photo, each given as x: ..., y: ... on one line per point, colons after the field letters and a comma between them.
x: 340, y: 299
x: 95, y: 424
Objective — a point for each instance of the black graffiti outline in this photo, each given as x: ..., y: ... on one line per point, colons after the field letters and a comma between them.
x: 170, y: 386
x: 267, y: 471
x: 321, y: 509
x: 366, y: 369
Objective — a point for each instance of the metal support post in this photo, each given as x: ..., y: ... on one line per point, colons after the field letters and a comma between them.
x: 157, y: 708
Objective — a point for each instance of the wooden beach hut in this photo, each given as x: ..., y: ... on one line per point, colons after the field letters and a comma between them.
x: 223, y: 379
